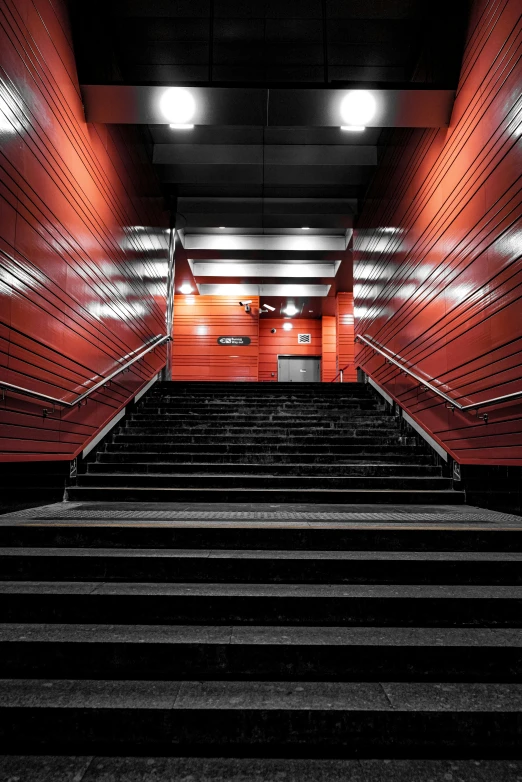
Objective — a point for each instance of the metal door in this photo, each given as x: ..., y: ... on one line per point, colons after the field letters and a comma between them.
x: 299, y: 369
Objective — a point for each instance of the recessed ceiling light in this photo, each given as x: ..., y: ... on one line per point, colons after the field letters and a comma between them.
x: 222, y: 227
x: 290, y: 310
x: 186, y: 288
x: 357, y: 109
x: 181, y: 126
x: 354, y: 128
x: 177, y: 106
x: 305, y: 228
x: 288, y: 326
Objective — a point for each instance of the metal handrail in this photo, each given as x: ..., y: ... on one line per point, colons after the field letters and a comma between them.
x: 426, y: 384
x: 340, y: 373
x: 78, y: 401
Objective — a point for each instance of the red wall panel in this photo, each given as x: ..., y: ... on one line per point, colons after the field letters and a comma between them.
x: 345, y: 337
x: 285, y: 343
x: 437, y: 251
x: 198, y: 323
x: 83, y: 243
x: 329, y: 362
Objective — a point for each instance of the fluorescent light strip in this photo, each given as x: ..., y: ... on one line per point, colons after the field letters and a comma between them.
x: 237, y: 289
x: 204, y: 269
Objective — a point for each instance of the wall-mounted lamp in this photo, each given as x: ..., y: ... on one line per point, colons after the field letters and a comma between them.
x: 186, y: 288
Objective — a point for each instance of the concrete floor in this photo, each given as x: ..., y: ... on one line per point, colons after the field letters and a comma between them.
x: 153, y: 769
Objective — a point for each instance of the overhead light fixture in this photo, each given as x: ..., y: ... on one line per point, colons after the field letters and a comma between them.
x: 269, y: 307
x: 222, y: 227
x: 305, y: 228
x: 357, y: 109
x: 288, y: 326
x: 186, y: 288
x: 291, y: 310
x: 178, y: 107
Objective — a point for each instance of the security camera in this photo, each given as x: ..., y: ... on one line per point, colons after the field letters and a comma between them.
x: 244, y: 303
x: 273, y: 331
x: 268, y: 307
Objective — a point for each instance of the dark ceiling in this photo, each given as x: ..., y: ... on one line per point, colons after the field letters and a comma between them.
x: 268, y: 41
x: 260, y: 179
x: 296, y: 43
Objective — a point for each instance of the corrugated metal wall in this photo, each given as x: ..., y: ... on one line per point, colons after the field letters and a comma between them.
x: 83, y: 245
x: 438, y: 269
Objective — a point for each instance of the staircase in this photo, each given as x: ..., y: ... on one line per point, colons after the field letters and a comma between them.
x: 250, y: 442
x: 234, y: 639
x: 257, y: 640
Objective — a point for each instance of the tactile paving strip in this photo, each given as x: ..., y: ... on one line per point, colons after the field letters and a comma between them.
x: 73, y: 511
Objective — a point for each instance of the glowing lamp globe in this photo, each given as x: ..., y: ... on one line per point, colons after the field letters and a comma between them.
x: 358, y: 108
x: 177, y: 106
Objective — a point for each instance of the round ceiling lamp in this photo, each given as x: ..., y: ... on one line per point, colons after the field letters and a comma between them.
x: 357, y: 109
x: 178, y: 106
x: 287, y: 326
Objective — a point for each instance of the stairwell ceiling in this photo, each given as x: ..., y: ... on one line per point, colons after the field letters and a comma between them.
x: 230, y: 181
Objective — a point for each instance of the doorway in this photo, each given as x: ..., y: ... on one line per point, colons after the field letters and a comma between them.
x: 299, y: 369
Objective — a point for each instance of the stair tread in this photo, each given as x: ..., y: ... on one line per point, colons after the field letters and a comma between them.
x: 273, y: 591
x: 264, y: 554
x: 265, y: 769
x: 261, y: 695
x: 262, y: 635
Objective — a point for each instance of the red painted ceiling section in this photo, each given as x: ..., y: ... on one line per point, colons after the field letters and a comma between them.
x: 437, y: 250
x: 83, y: 242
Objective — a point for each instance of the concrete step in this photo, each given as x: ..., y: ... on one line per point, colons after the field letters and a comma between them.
x: 254, y: 438
x: 113, y: 492
x: 220, y: 479
x: 312, y: 448
x: 254, y: 566
x: 254, y: 604
x: 363, y: 417
x: 266, y: 769
x: 452, y: 534
x: 246, y: 430
x: 227, y: 717
x: 267, y: 460
x: 97, y: 651
x: 247, y: 407
x: 137, y: 465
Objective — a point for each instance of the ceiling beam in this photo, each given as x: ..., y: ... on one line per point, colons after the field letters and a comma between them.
x: 131, y: 104
x: 247, y: 289
x: 269, y: 155
x: 224, y: 269
x: 262, y: 242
